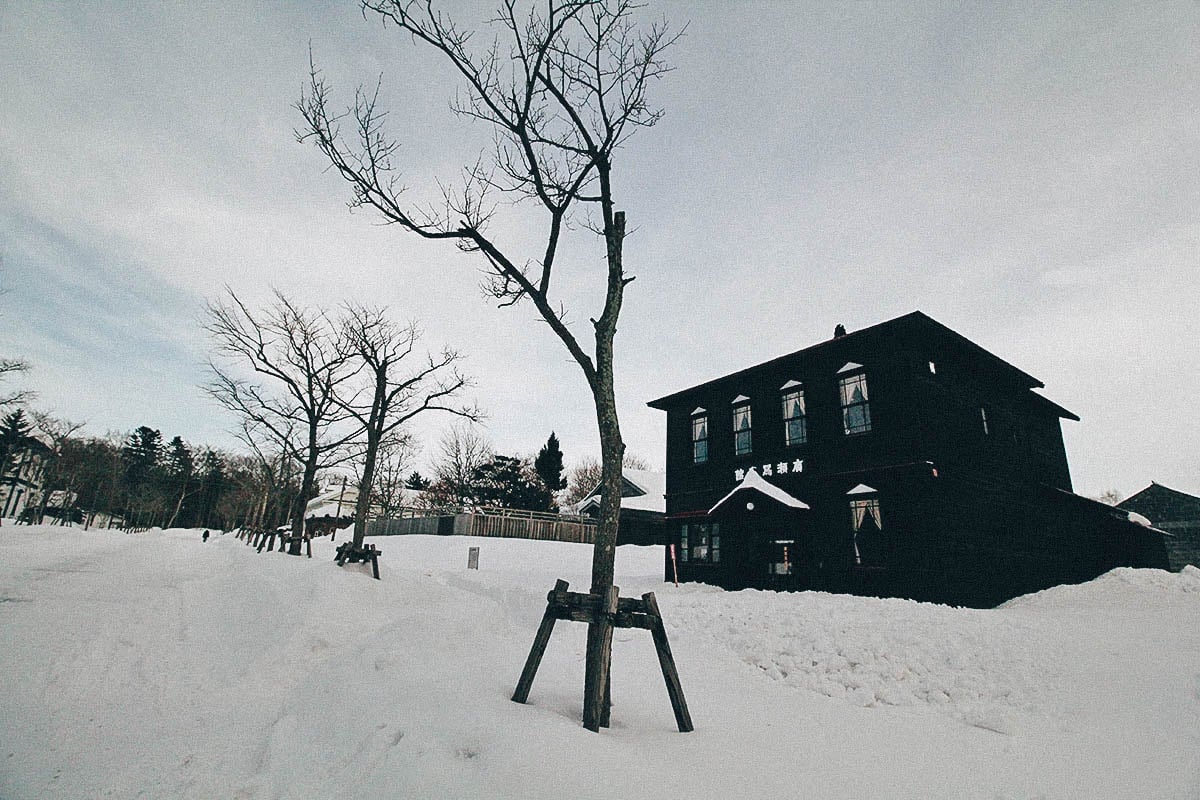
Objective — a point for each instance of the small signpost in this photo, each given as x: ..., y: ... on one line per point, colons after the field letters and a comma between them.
x: 473, y: 558
x: 620, y: 612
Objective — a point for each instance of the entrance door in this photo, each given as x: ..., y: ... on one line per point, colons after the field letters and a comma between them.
x: 781, y: 566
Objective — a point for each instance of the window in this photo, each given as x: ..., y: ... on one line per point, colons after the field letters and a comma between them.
x: 795, y: 427
x: 700, y: 439
x: 856, y: 411
x: 700, y: 542
x: 868, y: 531
x: 741, y: 428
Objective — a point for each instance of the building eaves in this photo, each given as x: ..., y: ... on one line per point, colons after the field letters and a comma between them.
x: 914, y: 318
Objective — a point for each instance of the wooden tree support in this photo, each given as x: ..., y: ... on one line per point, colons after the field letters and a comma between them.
x: 355, y: 555
x: 607, y: 612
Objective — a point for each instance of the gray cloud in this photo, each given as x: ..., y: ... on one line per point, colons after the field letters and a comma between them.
x: 1027, y: 175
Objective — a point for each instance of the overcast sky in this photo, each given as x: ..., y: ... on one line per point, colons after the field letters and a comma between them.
x: 1028, y: 174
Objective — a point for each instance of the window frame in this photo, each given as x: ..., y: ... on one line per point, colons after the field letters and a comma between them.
x: 796, y: 390
x: 856, y: 378
x: 746, y: 434
x: 701, y: 418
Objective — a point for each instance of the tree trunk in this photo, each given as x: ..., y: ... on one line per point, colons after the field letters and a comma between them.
x: 178, y: 504
x: 301, y: 504
x: 363, y: 507
x: 612, y: 453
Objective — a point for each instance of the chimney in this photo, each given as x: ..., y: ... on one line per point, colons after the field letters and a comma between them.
x: 839, y: 330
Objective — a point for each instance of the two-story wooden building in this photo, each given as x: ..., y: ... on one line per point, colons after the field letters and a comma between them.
x: 897, y: 460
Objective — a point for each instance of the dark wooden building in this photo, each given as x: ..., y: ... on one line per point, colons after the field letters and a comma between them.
x: 898, y: 460
x: 643, y: 507
x: 1176, y: 513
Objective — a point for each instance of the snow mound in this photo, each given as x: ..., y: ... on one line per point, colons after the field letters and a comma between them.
x: 1117, y: 586
x: 978, y: 666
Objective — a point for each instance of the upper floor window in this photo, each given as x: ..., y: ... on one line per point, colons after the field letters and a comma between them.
x: 699, y: 436
x: 795, y: 427
x: 741, y: 426
x: 856, y: 408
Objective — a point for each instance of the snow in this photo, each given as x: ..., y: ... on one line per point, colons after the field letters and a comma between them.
x: 156, y: 665
x: 652, y: 485
x: 1139, y: 519
x: 753, y: 480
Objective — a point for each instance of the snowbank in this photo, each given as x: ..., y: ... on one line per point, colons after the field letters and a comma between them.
x: 156, y: 665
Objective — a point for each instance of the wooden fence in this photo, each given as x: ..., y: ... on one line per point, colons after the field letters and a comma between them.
x: 498, y: 522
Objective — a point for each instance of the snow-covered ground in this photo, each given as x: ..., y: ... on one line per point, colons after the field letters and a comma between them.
x: 154, y: 665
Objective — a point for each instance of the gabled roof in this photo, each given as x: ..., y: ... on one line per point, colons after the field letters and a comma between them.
x: 641, y: 490
x: 1156, y: 488
x: 754, y: 481
x: 914, y: 320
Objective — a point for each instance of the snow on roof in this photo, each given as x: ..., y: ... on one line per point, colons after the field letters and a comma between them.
x: 327, y: 501
x: 651, y: 484
x: 1139, y: 519
x: 862, y: 488
x: 654, y: 484
x: 757, y: 482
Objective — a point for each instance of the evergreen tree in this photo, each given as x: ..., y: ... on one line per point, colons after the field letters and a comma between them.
x: 141, y: 455
x: 213, y: 480
x: 15, y: 437
x: 510, y: 483
x: 549, y: 465
x: 178, y: 466
x: 417, y: 482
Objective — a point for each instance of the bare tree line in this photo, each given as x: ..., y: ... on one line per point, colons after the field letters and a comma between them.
x: 327, y: 391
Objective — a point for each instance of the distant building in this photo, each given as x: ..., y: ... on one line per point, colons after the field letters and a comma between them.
x: 335, y: 501
x: 1177, y: 513
x: 898, y: 460
x: 643, y: 507
x: 23, y: 474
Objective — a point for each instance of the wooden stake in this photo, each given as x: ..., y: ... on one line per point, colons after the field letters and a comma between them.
x: 536, y: 652
x: 599, y: 659
x: 665, y: 660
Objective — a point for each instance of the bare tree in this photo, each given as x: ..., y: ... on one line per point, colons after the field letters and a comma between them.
x: 299, y: 353
x: 400, y: 385
x: 393, y: 461
x: 566, y: 88
x: 10, y: 367
x: 56, y: 432
x: 463, y: 451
